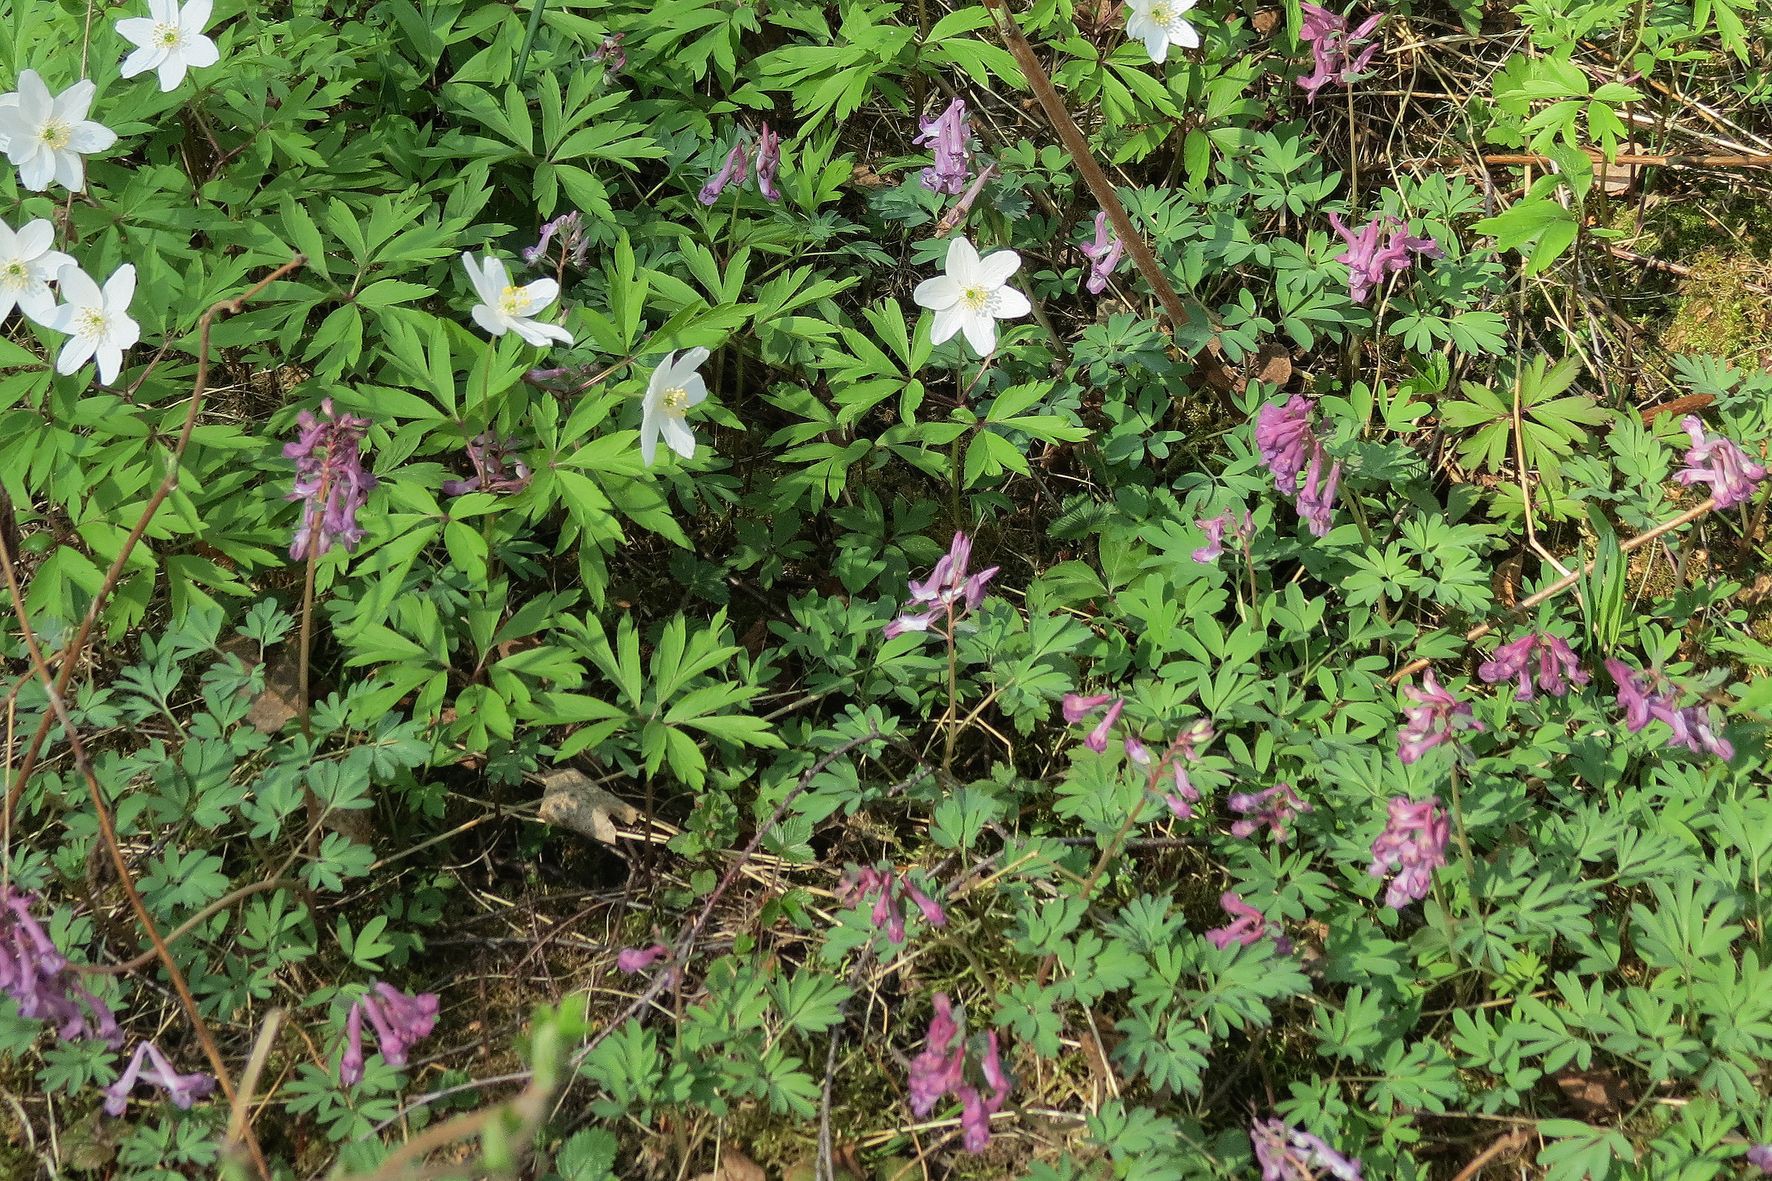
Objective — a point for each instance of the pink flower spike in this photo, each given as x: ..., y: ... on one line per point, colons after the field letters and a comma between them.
x: 1098, y: 737
x: 1414, y: 842
x: 1103, y: 255
x: 732, y: 172
x: 1077, y: 707
x: 768, y: 161
x: 1213, y: 528
x: 1717, y: 461
x: 1273, y: 809
x: 637, y: 959
x: 1435, y: 718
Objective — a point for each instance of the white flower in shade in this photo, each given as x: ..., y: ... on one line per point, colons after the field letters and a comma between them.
x: 96, y: 321
x: 973, y: 295
x: 27, y: 264
x: 504, y: 308
x: 1160, y: 24
x: 48, y: 137
x: 675, y: 387
x: 169, y: 39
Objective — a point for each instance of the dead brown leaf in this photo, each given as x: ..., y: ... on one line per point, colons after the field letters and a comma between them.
x: 735, y: 1166
x: 1599, y: 1092
x: 571, y: 800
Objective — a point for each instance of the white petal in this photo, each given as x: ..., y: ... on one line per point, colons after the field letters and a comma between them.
x: 38, y: 302
x: 937, y: 293
x: 32, y: 239
x: 540, y: 294
x: 540, y: 333
x: 75, y: 353
x: 995, y: 270
x: 947, y: 322
x: 648, y: 439
x: 485, y: 317
x: 70, y: 171
x: 172, y: 72
x: 1156, y: 43
x: 201, y: 52
x: 1185, y: 35
x: 1008, y: 304
x: 49, y: 264
x: 125, y: 333
x: 194, y: 16
x: 34, y: 102
x: 120, y: 288
x: 962, y: 262
x: 36, y: 170
x: 695, y: 390
x: 78, y: 288
x: 689, y: 362
x: 678, y: 437
x: 981, y: 333
x: 73, y: 103
x: 110, y: 360
x: 137, y: 30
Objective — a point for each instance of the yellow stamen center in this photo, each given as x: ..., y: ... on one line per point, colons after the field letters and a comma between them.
x: 16, y: 274
x: 166, y: 36
x: 1161, y: 14
x: 94, y: 323
x: 674, y: 399
x: 975, y: 297
x: 514, y: 301
x: 56, y: 134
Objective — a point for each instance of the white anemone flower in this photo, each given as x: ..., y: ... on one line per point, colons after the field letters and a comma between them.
x: 27, y: 264
x: 169, y: 39
x: 504, y: 308
x: 973, y: 295
x: 1160, y: 24
x: 48, y: 136
x: 674, y: 388
x: 96, y: 321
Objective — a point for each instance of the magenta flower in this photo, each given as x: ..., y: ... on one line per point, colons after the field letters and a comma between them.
x: 1721, y: 464
x: 575, y: 244
x: 609, y: 51
x: 947, y: 135
x: 496, y: 467
x: 1137, y: 752
x: 1414, y: 842
x: 1316, y: 500
x: 637, y: 959
x: 1273, y: 809
x: 1077, y: 707
x: 1556, y: 664
x: 889, y: 890
x: 732, y: 172
x: 1287, y: 1154
x: 398, y: 1021
x: 1249, y: 927
x: 1336, y: 53
x: 768, y: 161
x: 330, y: 478
x: 1369, y: 261
x: 35, y: 974
x: 1103, y: 255
x: 183, y: 1089
x: 947, y: 593
x: 1214, y: 529
x: 1760, y: 1157
x: 1282, y: 435
x: 1434, y: 718
x: 940, y: 1070
x: 1646, y: 696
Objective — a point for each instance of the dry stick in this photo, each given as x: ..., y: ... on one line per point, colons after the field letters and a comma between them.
x: 1102, y: 188
x: 108, y: 831
x: 77, y: 645
x: 1508, y: 1142
x: 1568, y: 580
x: 238, y: 1118
x: 1641, y: 161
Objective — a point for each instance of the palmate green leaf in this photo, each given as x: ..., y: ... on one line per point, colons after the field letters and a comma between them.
x: 1537, y: 226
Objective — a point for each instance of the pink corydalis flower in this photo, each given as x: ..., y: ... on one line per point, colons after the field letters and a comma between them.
x: 1272, y: 809
x: 1248, y: 927
x: 149, y: 1065
x: 610, y: 52
x: 1646, y: 696
x: 36, y: 975
x: 496, y: 467
x: 947, y: 134
x: 1336, y: 53
x: 1077, y: 707
x: 1283, y: 435
x: 1287, y: 1154
x: 398, y: 1021
x: 1760, y: 1157
x: 890, y: 889
x: 1316, y: 500
x: 1413, y: 843
x: 575, y: 244
x: 947, y: 593
x: 1717, y: 461
x: 330, y: 478
x: 940, y: 1070
x: 1554, y: 661
x: 1103, y: 255
x: 732, y: 172
x: 768, y: 162
x: 1370, y: 260
x: 1435, y: 718
x: 633, y: 960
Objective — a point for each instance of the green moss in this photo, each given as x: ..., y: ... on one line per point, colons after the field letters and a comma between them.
x: 1723, y: 307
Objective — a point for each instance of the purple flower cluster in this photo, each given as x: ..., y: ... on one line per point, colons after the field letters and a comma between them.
x: 183, y: 1089
x: 1760, y: 1157
x: 1336, y: 52
x: 738, y: 166
x: 1248, y: 926
x: 575, y: 244
x: 496, y: 467
x: 330, y: 477
x: 947, y: 593
x: 1414, y: 842
x: 941, y: 1070
x: 1273, y: 809
x: 633, y: 960
x: 1103, y: 255
x: 1436, y: 717
x: 1646, y: 696
x: 890, y: 889
x: 1077, y: 707
x: 35, y: 974
x: 1369, y: 260
x: 398, y: 1020
x: 609, y: 51
x: 1555, y: 661
x: 1288, y: 443
x: 947, y: 134
x: 1214, y: 527
x: 1287, y: 1154
x: 1720, y: 463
